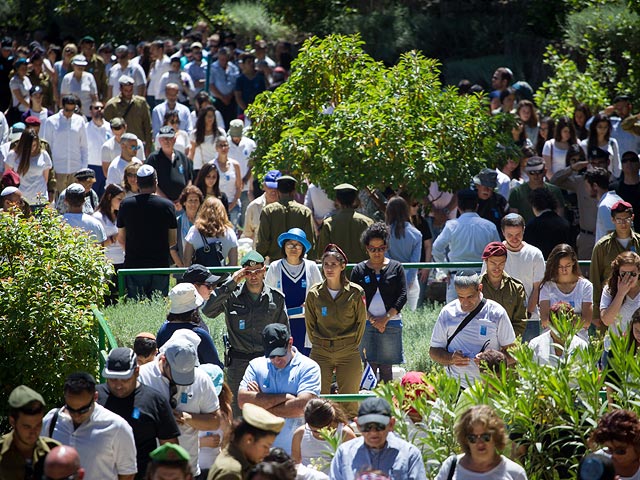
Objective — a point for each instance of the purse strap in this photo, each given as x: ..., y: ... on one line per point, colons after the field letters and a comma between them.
x: 452, y: 469
x: 466, y: 321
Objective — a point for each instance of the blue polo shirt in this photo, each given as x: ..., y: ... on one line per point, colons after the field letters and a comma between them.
x: 301, y: 375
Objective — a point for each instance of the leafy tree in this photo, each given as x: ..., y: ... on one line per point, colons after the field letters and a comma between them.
x: 342, y: 117
x: 567, y: 87
x: 50, y: 274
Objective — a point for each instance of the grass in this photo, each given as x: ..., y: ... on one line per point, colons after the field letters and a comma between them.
x: 127, y: 319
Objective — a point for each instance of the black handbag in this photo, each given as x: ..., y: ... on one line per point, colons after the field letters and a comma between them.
x: 210, y: 255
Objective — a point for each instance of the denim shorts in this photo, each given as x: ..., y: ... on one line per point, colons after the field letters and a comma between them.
x: 384, y: 348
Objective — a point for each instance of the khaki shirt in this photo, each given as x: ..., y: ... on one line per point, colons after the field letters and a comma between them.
x: 231, y: 464
x: 339, y: 319
x: 245, y: 317
x: 511, y: 295
x: 138, y: 117
x: 12, y: 463
x: 344, y: 228
x: 279, y: 217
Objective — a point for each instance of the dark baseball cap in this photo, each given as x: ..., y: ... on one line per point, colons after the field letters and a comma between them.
x: 275, y: 339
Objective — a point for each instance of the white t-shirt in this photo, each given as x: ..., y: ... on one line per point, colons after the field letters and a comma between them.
x: 83, y: 89
x: 33, y: 182
x: 199, y: 397
x: 581, y: 293
x: 544, y: 352
x: 112, y: 149
x: 228, y: 179
x: 506, y: 470
x: 559, y: 158
x: 205, y: 152
x: 113, y: 251
x: 115, y: 174
x: 527, y: 265
x: 615, y: 167
x: 241, y: 153
x: 629, y: 305
x: 89, y: 224
x: 96, y: 136
x: 133, y: 70
x: 229, y: 241
x: 489, y: 329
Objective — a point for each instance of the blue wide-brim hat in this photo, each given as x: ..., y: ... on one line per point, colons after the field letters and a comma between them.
x: 296, y: 234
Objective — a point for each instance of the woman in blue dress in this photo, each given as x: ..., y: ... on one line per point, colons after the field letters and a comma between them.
x: 293, y: 275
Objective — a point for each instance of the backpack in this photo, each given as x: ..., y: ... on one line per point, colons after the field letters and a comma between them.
x: 210, y: 255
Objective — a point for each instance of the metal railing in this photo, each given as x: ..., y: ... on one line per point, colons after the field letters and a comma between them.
x: 106, y: 339
x: 124, y: 272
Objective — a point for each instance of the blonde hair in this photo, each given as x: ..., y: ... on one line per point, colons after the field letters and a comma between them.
x: 212, y: 219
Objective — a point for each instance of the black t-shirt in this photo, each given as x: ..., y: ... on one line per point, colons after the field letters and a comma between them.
x: 149, y: 415
x: 174, y: 175
x: 147, y: 219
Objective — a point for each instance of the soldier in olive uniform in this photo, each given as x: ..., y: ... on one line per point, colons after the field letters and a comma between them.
x: 280, y: 216
x: 247, y: 310
x: 345, y: 227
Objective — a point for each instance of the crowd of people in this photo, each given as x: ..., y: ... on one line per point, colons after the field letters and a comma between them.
x: 148, y: 149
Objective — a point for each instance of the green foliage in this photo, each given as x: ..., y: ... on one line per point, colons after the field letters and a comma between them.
x: 343, y: 112
x: 250, y: 19
x: 567, y: 87
x: 603, y: 36
x: 50, y: 274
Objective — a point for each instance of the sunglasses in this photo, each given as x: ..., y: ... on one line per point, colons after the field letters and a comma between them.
x: 377, y: 249
x: 81, y: 410
x: 134, y: 147
x: 628, y: 274
x: 615, y: 451
x: 293, y: 246
x: 485, y: 437
x: 622, y: 221
x: 367, y: 427
x: 536, y: 173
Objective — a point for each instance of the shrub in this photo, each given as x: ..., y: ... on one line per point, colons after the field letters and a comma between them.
x: 50, y: 274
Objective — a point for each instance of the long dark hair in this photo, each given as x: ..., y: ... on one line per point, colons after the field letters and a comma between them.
x: 23, y: 149
x: 551, y: 125
x: 202, y: 174
x: 200, y: 124
x: 397, y: 213
x: 581, y: 131
x: 104, y: 207
x: 593, y: 130
x: 562, y: 122
x: 558, y: 253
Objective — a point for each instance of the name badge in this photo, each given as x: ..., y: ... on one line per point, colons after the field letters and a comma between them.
x: 367, y: 279
x: 136, y: 413
x: 304, y: 284
x: 181, y: 169
x: 483, y: 330
x: 227, y: 178
x: 241, y: 325
x: 184, y: 398
x: 324, y: 311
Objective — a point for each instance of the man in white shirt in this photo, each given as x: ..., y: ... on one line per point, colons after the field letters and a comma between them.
x: 98, y: 132
x: 111, y: 148
x: 129, y: 147
x: 455, y: 345
x: 171, y: 104
x: 525, y: 263
x: 103, y: 439
x: 241, y: 148
x: 190, y: 391
x: 160, y: 64
x: 464, y: 239
x: 125, y: 67
x: 67, y: 136
x: 597, y: 181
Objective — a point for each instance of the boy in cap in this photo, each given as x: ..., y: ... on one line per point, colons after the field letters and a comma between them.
x: 169, y: 461
x: 85, y: 177
x: 282, y: 381
x: 280, y: 216
x: 189, y: 390
x: 499, y: 286
x: 22, y: 450
x: 491, y: 205
x: 247, y: 308
x: 145, y: 347
x: 345, y: 226
x: 202, y: 279
x: 75, y: 199
x: 393, y: 456
x: 145, y: 409
x: 519, y: 196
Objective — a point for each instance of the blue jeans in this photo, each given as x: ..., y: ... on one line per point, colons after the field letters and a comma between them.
x: 140, y: 286
x: 98, y: 187
x: 234, y: 216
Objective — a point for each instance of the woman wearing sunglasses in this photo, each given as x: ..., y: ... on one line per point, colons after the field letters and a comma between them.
x: 385, y: 288
x: 619, y: 433
x: 481, y: 435
x: 620, y: 297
